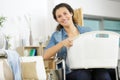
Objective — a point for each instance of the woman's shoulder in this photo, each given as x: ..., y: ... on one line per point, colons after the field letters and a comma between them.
x: 56, y: 34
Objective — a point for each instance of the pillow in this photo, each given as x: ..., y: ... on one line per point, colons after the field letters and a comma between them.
x: 29, y: 70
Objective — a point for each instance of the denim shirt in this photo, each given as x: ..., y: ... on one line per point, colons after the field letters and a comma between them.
x: 58, y: 36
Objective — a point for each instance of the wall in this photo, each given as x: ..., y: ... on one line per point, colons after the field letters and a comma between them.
x: 107, y: 8
x: 21, y: 14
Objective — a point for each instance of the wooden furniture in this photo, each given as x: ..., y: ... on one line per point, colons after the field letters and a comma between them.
x: 25, y: 50
x: 49, y: 65
x: 78, y: 16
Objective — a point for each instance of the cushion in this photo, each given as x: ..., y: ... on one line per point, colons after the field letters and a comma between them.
x: 29, y: 70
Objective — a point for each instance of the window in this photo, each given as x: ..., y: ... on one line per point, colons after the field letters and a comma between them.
x: 112, y: 25
x: 102, y: 23
x: 93, y: 24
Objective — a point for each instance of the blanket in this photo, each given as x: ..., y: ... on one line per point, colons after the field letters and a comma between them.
x: 14, y: 62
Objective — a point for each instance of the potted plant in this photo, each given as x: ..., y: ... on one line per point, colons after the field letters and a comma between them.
x: 2, y: 37
x: 2, y: 19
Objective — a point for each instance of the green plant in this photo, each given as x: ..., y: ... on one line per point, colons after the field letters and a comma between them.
x: 2, y: 19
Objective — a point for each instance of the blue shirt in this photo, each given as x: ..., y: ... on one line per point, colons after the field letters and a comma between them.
x: 58, y: 36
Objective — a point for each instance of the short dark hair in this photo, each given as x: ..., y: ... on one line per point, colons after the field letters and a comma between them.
x: 70, y: 9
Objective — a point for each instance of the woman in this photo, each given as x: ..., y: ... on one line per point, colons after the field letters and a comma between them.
x: 63, y: 37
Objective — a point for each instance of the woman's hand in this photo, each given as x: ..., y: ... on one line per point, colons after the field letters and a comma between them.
x: 67, y: 42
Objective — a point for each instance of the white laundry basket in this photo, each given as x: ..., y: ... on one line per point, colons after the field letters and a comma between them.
x: 40, y: 69
x: 95, y: 49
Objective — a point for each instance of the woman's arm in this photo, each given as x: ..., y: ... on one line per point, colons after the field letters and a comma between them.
x: 54, y: 49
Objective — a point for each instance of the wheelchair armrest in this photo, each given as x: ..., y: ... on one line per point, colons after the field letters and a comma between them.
x: 63, y: 67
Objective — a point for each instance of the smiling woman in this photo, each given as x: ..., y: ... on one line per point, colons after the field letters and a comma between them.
x: 62, y: 39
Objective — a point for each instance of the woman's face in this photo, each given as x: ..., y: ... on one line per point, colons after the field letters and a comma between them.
x: 63, y: 16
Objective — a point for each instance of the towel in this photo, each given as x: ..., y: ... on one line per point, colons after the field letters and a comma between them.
x: 14, y: 62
